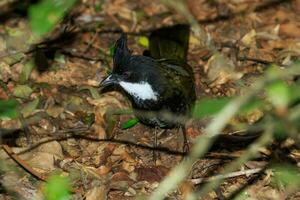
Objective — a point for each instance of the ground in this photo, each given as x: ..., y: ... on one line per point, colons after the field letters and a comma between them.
x: 68, y: 127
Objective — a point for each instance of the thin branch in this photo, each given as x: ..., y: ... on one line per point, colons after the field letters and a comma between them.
x: 197, y: 181
x: 22, y: 163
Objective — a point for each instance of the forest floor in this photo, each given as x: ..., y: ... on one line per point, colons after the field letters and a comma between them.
x: 68, y: 127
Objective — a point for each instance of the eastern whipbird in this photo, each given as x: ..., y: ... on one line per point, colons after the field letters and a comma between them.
x: 160, y: 85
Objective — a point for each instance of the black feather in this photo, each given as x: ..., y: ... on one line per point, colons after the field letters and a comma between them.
x: 121, y: 52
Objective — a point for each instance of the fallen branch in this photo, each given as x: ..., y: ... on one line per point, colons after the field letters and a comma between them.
x: 247, y: 172
x: 22, y: 163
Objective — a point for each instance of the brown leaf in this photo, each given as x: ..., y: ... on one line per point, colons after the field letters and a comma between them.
x: 151, y: 174
x: 290, y: 30
x: 121, y: 176
x: 97, y: 193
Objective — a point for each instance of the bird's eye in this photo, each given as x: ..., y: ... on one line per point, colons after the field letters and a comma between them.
x: 126, y: 74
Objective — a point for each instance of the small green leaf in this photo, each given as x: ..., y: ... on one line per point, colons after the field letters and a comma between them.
x: 57, y: 188
x: 144, y: 41
x: 8, y: 109
x: 30, y: 107
x: 207, y: 107
x: 130, y: 123
x: 22, y: 91
x: 279, y: 94
x: 47, y: 13
x: 27, y: 68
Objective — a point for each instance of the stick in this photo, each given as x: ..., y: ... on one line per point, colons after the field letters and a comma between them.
x: 247, y: 172
x: 22, y: 163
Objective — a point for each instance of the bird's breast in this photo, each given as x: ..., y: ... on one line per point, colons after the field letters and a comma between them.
x: 140, y: 91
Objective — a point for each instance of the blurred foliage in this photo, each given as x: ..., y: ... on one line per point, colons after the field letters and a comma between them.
x: 207, y: 107
x: 279, y: 93
x: 286, y: 176
x: 47, y: 13
x: 57, y: 188
x: 8, y: 109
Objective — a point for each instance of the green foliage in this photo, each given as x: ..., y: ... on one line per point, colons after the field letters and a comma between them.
x: 144, y: 41
x: 252, y: 105
x: 47, y: 13
x: 287, y: 175
x: 8, y: 109
x: 294, y: 93
x: 57, y: 188
x: 279, y: 93
x: 130, y: 123
x: 207, y: 107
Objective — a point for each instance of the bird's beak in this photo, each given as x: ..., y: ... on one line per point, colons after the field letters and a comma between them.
x: 111, y: 80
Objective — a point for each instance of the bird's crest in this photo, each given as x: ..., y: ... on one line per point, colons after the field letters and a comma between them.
x: 121, y: 52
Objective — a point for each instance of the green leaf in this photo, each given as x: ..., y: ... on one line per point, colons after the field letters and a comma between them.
x: 8, y: 109
x: 22, y: 91
x: 47, y: 13
x: 27, y: 68
x: 251, y: 106
x: 207, y: 107
x: 57, y: 188
x: 294, y: 92
x: 279, y: 94
x: 30, y: 107
x: 130, y: 123
x: 144, y: 41
x: 287, y: 175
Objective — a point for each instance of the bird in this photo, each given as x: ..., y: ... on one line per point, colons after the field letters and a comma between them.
x: 160, y: 86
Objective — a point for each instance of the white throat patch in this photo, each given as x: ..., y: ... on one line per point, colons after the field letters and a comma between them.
x: 141, y: 90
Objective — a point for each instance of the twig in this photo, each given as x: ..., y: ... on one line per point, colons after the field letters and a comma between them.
x: 247, y: 172
x: 22, y: 163
x: 249, y: 182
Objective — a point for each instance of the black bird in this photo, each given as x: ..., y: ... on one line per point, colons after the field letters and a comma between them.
x: 157, y: 86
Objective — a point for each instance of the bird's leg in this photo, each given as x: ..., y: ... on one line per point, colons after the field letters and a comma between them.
x: 156, y: 135
x: 185, y: 141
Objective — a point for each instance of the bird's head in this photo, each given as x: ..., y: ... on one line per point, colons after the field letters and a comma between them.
x: 135, y: 75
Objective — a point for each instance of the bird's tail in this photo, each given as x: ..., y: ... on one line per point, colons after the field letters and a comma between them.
x: 170, y: 42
